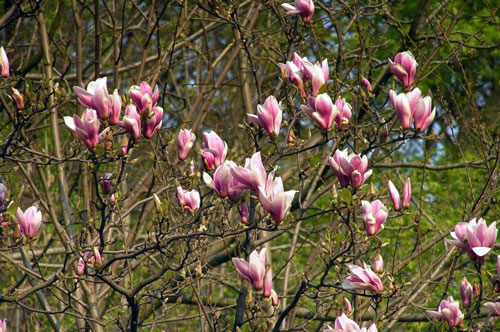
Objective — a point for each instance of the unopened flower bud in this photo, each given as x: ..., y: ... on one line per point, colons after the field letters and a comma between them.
x: 18, y: 99
x: 378, y: 264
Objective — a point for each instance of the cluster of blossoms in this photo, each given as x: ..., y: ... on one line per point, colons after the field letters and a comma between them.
x: 254, y: 271
x: 90, y: 258
x: 142, y: 117
x: 411, y: 107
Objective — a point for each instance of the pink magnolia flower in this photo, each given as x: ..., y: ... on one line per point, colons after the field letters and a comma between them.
x: 97, y: 97
x: 253, y: 175
x: 244, y: 212
x: 474, y: 237
x: 143, y: 96
x: 80, y: 269
x: 317, y: 73
x: 132, y: 121
x: 293, y: 71
x: 215, y: 150
x: 106, y: 183
x: 374, y: 216
x: 449, y: 311
x: 116, y: 109
x: 153, y: 122
x: 4, y: 63
x: 185, y: 142
x: 466, y: 292
x: 405, y: 105
x: 407, y: 194
x: 86, y: 128
x: 378, y: 264
x: 367, y: 84
x: 224, y: 183
x: 29, y: 221
x: 269, y: 116
x: 363, y: 278
x: 275, y: 299
x: 347, y: 306
x: 494, y: 307
x: 394, y: 194
x: 3, y: 325
x: 275, y: 199
x: 350, y: 168
x: 303, y: 8
x: 423, y: 115
x: 321, y: 109
x: 344, y: 113
x: 18, y: 99
x: 343, y: 323
x: 188, y: 200
x: 268, y: 283
x: 404, y: 67
x: 254, y: 270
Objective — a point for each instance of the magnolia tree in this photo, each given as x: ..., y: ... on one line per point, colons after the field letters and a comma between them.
x: 248, y: 166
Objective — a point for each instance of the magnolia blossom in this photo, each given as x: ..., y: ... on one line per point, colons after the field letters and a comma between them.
x: 394, y: 194
x: 4, y: 63
x: 244, y: 212
x: 344, y: 113
x: 268, y: 283
x: 363, y: 278
x: 378, y: 264
x: 275, y: 299
x: 18, y: 99
x: 215, y: 150
x: 153, y: 122
x: 80, y: 268
x: 317, y: 73
x: 293, y: 71
x: 188, y: 200
x: 350, y: 168
x: 275, y: 199
x: 29, y: 221
x: 253, y: 175
x: 269, y: 116
x: 223, y: 183
x: 424, y: 114
x: 405, y: 105
x: 474, y: 237
x: 367, y: 84
x: 185, y: 142
x: 449, y: 311
x: 347, y: 306
x: 303, y: 8
x: 97, y: 97
x: 343, y: 323
x: 322, y: 110
x: 374, y: 216
x: 494, y: 307
x: 254, y: 270
x: 132, y: 121
x: 106, y: 183
x: 143, y: 96
x: 404, y: 67
x: 466, y: 292
x: 407, y: 193
x: 86, y: 128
